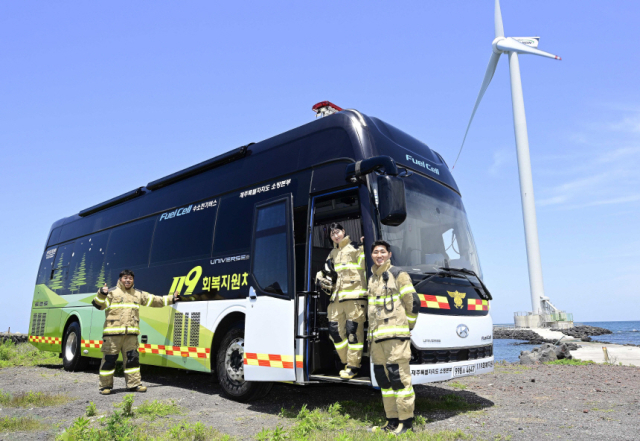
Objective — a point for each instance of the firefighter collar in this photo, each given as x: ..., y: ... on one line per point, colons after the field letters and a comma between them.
x: 123, y: 289
x: 343, y: 243
x: 378, y: 270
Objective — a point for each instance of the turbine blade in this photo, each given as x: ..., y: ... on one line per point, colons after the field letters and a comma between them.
x: 511, y: 45
x: 498, y: 20
x: 491, y: 69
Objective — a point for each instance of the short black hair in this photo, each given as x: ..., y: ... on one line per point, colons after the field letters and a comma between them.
x: 126, y: 272
x: 383, y: 243
x: 335, y: 226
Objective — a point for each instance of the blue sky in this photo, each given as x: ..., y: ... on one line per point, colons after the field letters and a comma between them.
x: 98, y: 98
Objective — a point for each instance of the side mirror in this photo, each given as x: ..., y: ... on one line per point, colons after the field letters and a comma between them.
x: 391, y: 201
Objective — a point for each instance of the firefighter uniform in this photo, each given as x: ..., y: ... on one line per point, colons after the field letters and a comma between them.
x: 393, y: 312
x: 348, y: 302
x: 121, y: 329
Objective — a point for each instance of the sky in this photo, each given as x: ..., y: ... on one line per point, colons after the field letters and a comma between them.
x: 99, y: 98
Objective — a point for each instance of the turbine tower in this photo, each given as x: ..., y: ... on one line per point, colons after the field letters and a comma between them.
x: 513, y: 46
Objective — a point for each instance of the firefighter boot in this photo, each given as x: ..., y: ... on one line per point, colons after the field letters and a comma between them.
x: 138, y: 389
x: 404, y: 426
x: 105, y: 391
x: 349, y: 373
x: 389, y: 426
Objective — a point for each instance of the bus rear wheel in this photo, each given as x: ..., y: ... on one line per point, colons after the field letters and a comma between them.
x: 230, y: 369
x: 72, y: 358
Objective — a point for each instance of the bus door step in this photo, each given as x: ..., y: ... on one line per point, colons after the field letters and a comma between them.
x: 359, y: 381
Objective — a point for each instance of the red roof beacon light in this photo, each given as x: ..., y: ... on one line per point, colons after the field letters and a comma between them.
x: 325, y: 108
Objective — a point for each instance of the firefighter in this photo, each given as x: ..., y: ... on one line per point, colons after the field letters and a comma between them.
x: 348, y: 301
x: 393, y: 312
x: 120, y: 333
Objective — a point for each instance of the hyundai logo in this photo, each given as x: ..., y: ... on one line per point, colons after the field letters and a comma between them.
x: 462, y: 331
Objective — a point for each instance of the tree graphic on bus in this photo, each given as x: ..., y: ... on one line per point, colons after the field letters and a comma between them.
x: 79, y: 277
x: 56, y: 283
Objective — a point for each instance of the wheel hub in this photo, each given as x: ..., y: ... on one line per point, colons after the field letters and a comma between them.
x: 70, y: 346
x: 234, y: 360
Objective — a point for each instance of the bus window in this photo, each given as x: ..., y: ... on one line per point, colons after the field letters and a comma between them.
x: 128, y: 248
x: 233, y: 228
x: 185, y: 233
x: 46, y: 265
x: 58, y: 280
x: 270, y: 258
x: 87, y: 264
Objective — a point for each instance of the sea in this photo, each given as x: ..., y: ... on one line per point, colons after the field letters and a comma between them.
x: 623, y: 332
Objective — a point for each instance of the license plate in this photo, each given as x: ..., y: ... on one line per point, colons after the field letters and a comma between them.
x: 460, y: 371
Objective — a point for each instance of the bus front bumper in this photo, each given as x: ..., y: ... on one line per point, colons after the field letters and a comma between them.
x: 430, y: 373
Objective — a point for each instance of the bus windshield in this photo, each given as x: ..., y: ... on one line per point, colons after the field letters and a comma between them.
x: 435, y: 233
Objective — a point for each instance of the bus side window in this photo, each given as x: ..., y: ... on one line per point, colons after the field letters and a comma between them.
x: 57, y: 282
x: 128, y: 248
x: 87, y: 267
x: 271, y: 257
x: 46, y: 265
x: 188, y: 236
x: 233, y: 227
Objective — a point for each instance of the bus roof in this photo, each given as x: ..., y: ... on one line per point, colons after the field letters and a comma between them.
x: 347, y: 135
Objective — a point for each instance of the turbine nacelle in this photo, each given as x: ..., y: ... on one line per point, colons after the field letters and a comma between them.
x: 503, y: 45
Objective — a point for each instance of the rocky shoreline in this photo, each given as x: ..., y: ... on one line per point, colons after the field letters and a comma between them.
x: 527, y: 335
x: 14, y: 337
x: 585, y: 332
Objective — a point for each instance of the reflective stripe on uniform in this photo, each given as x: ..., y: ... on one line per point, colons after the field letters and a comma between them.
x: 97, y: 299
x: 406, y: 392
x: 149, y: 301
x: 166, y: 299
x: 412, y: 318
x: 379, y: 301
x: 107, y: 373
x: 341, y: 345
x: 347, y: 292
x: 132, y: 370
x: 356, y: 347
x: 407, y: 289
x: 360, y: 259
x: 345, y: 266
x: 397, y: 330
x: 388, y: 393
x: 120, y: 329
x: 124, y: 305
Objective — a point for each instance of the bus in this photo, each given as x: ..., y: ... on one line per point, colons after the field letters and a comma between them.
x: 241, y: 237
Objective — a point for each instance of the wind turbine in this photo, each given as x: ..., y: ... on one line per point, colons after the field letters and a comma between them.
x: 512, y: 47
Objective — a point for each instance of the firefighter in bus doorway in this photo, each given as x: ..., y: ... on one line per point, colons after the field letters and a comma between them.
x: 348, y: 304
x: 121, y: 329
x: 393, y: 312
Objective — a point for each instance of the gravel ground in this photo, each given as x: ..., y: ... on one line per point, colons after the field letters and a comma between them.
x: 518, y: 402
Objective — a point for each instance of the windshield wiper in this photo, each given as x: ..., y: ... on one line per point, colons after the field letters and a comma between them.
x: 462, y: 273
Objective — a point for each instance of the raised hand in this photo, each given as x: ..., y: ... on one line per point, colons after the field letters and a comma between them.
x: 104, y: 289
x: 176, y: 297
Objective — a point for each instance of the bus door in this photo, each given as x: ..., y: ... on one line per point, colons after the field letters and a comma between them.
x: 269, y: 348
x: 343, y: 207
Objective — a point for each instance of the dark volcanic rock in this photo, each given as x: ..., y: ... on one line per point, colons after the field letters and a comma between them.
x: 16, y: 338
x: 545, y: 353
x: 585, y: 331
x: 528, y: 335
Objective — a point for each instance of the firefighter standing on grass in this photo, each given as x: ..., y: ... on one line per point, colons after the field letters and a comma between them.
x: 393, y: 312
x: 121, y: 329
x: 348, y: 304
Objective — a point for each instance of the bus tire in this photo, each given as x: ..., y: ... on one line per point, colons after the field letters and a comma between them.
x: 230, y: 369
x: 72, y: 359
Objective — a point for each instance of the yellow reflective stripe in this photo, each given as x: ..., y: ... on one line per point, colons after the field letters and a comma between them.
x: 166, y: 299
x: 345, y: 266
x: 345, y: 293
x: 399, y: 330
x: 380, y: 300
x: 388, y: 392
x: 107, y: 373
x: 125, y: 305
x: 98, y: 299
x: 341, y: 345
x: 132, y: 370
x: 149, y: 301
x: 119, y: 329
x: 108, y: 302
x: 412, y: 318
x: 356, y: 347
x: 408, y: 392
x: 406, y: 289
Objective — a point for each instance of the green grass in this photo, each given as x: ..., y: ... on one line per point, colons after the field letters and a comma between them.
x: 21, y: 424
x: 25, y: 354
x: 33, y: 399
x: 91, y: 410
x: 457, y: 385
x: 572, y: 362
x: 155, y: 409
x: 347, y: 420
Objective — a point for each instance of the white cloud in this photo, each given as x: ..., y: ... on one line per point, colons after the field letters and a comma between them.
x: 500, y: 158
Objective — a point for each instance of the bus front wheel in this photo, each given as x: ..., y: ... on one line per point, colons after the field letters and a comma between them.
x: 230, y: 369
x: 72, y: 358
